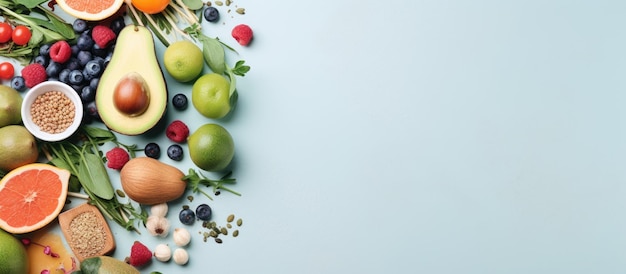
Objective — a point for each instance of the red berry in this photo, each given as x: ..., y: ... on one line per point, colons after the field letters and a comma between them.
x: 60, y: 51
x: 102, y: 35
x: 177, y: 131
x: 243, y: 34
x: 139, y: 254
x: 117, y: 158
x: 34, y: 74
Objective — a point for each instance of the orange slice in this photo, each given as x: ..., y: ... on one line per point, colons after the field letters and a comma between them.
x: 32, y: 196
x: 90, y: 10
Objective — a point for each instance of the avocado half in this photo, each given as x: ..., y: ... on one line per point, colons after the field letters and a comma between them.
x: 133, y: 76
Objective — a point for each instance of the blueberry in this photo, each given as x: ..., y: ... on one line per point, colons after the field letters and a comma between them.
x: 92, y: 110
x: 117, y: 25
x: 76, y: 77
x: 17, y: 83
x: 93, y: 68
x: 53, y: 69
x: 79, y: 25
x: 187, y: 216
x: 41, y: 59
x: 87, y: 94
x: 175, y: 152
x: 44, y: 50
x: 179, y: 101
x: 64, y: 75
x: 98, y: 51
x: 152, y: 150
x: 73, y: 64
x: 94, y: 83
x: 203, y: 212
x: 75, y: 49
x: 211, y: 14
x: 84, y: 42
x: 83, y: 57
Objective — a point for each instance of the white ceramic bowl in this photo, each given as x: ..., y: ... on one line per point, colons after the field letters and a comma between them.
x: 42, y: 88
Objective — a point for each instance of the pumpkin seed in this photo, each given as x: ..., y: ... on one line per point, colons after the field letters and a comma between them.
x: 241, y: 10
x: 120, y: 193
x: 230, y: 218
x: 235, y: 233
x: 239, y: 222
x: 224, y: 231
x: 218, y: 240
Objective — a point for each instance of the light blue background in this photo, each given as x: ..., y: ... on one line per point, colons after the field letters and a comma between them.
x: 424, y: 137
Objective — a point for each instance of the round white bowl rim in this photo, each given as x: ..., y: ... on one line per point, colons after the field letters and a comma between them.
x: 44, y: 87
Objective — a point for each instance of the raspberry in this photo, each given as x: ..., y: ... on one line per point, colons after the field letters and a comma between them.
x: 243, y: 34
x: 139, y: 254
x: 60, y: 52
x: 177, y: 131
x: 102, y: 35
x: 34, y: 74
x: 117, y: 158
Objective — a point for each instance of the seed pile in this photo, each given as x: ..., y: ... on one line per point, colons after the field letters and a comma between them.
x: 87, y: 234
x: 215, y: 231
x: 53, y: 112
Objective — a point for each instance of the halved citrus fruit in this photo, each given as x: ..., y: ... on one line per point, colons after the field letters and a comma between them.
x: 32, y: 196
x: 90, y: 10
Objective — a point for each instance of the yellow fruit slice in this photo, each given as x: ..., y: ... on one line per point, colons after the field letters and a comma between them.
x: 32, y: 196
x: 90, y: 10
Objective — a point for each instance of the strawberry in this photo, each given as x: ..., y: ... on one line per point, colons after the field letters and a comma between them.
x: 140, y: 255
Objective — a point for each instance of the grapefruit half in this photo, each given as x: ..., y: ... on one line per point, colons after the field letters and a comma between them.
x: 32, y: 196
x: 90, y: 10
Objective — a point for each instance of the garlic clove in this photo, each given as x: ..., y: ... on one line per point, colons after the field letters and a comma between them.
x: 181, y: 236
x: 162, y: 252
x: 159, y: 209
x: 181, y: 257
x: 158, y: 226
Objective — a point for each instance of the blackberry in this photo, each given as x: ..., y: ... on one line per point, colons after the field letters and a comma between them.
x: 175, y: 152
x: 152, y: 150
x: 180, y: 101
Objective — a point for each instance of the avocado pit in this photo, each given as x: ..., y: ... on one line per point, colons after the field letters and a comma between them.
x: 131, y: 95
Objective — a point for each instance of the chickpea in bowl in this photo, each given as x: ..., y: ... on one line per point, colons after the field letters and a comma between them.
x: 52, y: 111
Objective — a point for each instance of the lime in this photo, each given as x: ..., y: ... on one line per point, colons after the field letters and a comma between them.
x: 13, y: 257
x: 210, y: 95
x: 211, y: 147
x: 183, y: 60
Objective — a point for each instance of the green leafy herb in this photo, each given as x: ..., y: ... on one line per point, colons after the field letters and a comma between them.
x: 195, y: 180
x: 83, y: 158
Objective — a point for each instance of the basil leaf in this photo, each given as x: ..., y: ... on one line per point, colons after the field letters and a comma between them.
x: 97, y: 132
x: 91, y: 265
x: 214, y: 54
x: 31, y: 3
x: 193, y: 4
x: 90, y: 171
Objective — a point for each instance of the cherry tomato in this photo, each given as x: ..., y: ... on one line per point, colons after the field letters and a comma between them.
x: 6, y: 71
x: 5, y: 32
x: 21, y: 35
